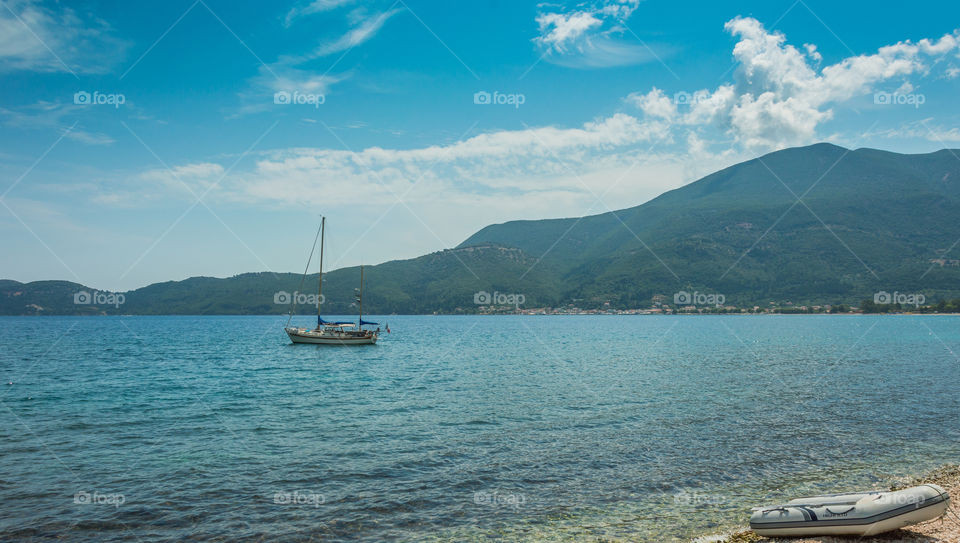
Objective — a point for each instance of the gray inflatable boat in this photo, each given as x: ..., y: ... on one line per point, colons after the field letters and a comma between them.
x: 857, y: 513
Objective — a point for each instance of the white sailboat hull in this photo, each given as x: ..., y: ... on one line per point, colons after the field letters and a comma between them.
x: 331, y: 333
x: 305, y: 335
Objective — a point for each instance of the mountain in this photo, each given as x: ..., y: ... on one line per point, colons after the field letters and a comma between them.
x: 868, y: 220
x: 816, y: 224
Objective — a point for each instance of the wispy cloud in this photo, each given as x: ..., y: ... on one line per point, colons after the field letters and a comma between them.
x: 259, y: 97
x: 592, y: 36
x: 495, y: 174
x: 360, y: 33
x: 35, y: 38
x: 316, y: 6
x: 927, y: 129
x: 295, y: 73
x: 44, y: 115
x: 131, y: 190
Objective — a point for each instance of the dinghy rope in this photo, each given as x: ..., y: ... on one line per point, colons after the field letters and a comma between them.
x: 949, y: 511
x: 946, y: 513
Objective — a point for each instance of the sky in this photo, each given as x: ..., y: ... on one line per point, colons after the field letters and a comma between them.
x: 155, y: 141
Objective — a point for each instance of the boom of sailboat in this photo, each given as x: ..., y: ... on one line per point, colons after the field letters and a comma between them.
x: 333, y: 332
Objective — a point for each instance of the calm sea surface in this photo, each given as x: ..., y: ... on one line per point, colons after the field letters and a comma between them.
x: 459, y: 428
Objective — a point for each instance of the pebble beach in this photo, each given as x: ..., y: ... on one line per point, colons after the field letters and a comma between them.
x: 945, y: 529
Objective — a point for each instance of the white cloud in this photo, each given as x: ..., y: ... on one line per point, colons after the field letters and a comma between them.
x: 925, y: 129
x: 654, y: 104
x: 591, y: 36
x: 35, y: 38
x: 136, y: 190
x: 525, y: 164
x: 192, y: 179
x: 781, y: 96
x: 458, y: 188
x: 90, y: 138
x: 53, y: 115
x: 259, y: 96
x: 193, y: 171
x: 365, y: 29
x: 558, y: 30
x: 317, y: 6
x: 289, y: 73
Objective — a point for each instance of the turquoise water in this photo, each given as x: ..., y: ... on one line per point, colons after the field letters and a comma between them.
x: 459, y: 428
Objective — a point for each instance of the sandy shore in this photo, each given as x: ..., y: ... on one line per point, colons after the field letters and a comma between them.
x: 946, y: 529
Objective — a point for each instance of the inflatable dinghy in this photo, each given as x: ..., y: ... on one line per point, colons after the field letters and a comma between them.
x: 858, y: 513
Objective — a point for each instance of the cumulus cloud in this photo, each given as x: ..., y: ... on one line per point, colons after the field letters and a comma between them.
x: 780, y: 95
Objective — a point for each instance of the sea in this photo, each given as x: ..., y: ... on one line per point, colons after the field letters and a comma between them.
x: 459, y: 428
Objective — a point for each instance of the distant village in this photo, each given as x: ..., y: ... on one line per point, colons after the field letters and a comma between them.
x: 668, y: 309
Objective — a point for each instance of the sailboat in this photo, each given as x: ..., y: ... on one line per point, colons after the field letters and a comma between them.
x: 333, y: 332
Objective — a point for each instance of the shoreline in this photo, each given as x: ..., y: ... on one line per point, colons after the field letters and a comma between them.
x: 944, y: 529
x: 680, y: 314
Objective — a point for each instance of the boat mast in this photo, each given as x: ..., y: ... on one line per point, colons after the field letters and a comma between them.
x: 360, y: 298
x: 306, y: 270
x: 323, y: 223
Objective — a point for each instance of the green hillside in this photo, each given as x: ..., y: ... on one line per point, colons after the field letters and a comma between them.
x: 439, y: 282
x: 869, y: 221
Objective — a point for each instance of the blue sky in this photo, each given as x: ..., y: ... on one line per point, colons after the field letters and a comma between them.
x: 149, y: 142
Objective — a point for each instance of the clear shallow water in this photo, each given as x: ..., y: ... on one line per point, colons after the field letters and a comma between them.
x: 459, y: 428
